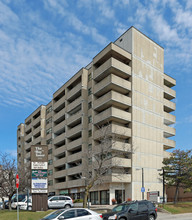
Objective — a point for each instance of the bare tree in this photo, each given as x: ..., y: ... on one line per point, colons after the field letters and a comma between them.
x: 104, y: 158
x: 7, y: 178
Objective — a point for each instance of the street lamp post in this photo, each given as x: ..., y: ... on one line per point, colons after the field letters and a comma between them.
x: 142, y: 188
x: 85, y: 178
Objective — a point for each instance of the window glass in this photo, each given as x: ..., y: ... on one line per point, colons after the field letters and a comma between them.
x: 142, y: 207
x: 69, y: 214
x: 134, y: 207
x: 82, y: 212
x: 54, y: 198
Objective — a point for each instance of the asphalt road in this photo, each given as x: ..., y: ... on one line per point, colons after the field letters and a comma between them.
x: 165, y: 216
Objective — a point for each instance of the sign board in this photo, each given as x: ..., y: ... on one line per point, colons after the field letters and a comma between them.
x: 39, y: 153
x: 39, y: 183
x: 17, y: 181
x: 153, y: 196
x: 39, y: 165
x: 39, y: 190
x: 39, y: 173
x: 142, y: 189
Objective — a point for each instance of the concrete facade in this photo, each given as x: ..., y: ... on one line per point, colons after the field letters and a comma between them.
x: 124, y: 86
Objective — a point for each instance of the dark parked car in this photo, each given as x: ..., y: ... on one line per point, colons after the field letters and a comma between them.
x: 135, y: 210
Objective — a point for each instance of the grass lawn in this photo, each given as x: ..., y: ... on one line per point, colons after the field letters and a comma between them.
x: 23, y: 215
x: 181, y: 207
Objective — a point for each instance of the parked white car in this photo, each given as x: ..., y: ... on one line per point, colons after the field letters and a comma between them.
x: 23, y: 204
x: 73, y: 214
x: 60, y: 202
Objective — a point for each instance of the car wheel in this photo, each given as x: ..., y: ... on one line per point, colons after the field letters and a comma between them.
x: 29, y: 208
x: 151, y: 217
x: 122, y: 219
x: 67, y: 207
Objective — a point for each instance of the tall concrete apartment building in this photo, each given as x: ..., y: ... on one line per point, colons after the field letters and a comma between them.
x: 125, y: 87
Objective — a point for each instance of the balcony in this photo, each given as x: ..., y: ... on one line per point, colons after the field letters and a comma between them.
x: 118, y: 178
x: 74, y: 130
x: 113, y: 129
x: 74, y: 104
x: 37, y: 120
x: 120, y: 162
x: 73, y: 91
x: 74, y: 170
x: 59, y: 116
x: 61, y: 185
x: 59, y: 127
x: 169, y: 118
x: 74, y: 144
x: 59, y: 174
x: 36, y: 130
x: 168, y: 144
x: 112, y: 66
x: 112, y: 98
x: 169, y: 93
x: 114, y: 114
x: 59, y: 162
x: 28, y: 155
x: 58, y: 139
x: 112, y: 82
x: 37, y: 140
x: 76, y: 183
x: 74, y: 157
x: 73, y: 118
x: 169, y: 131
x: 28, y: 136
x: 59, y: 104
x: 169, y: 81
x: 27, y: 147
x: 169, y: 106
x: 60, y: 150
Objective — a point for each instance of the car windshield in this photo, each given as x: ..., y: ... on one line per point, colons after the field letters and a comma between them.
x: 120, y: 208
x: 53, y: 215
x: 23, y: 200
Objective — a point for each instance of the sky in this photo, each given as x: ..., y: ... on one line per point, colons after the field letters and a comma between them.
x: 45, y: 42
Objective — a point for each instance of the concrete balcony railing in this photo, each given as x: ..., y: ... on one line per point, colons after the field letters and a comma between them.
x: 73, y: 91
x: 59, y: 126
x: 74, y: 104
x: 112, y: 66
x: 59, y: 138
x: 37, y: 140
x: 37, y: 120
x: 118, y: 178
x: 27, y: 146
x: 59, y: 162
x: 110, y: 98
x: 74, y: 130
x: 169, y: 118
x: 74, y: 118
x: 169, y: 93
x: 112, y: 82
x: 59, y: 103
x: 61, y: 185
x: 74, y: 157
x: 113, y: 129
x: 36, y: 130
x: 76, y: 183
x: 112, y: 114
x: 74, y: 144
x: 28, y: 136
x: 60, y: 150
x: 59, y: 174
x: 169, y: 131
x: 74, y: 170
x: 169, y: 106
x: 57, y: 116
x: 168, y: 144
x: 120, y: 162
x: 169, y: 80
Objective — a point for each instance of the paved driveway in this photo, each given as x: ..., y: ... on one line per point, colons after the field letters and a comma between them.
x: 164, y: 216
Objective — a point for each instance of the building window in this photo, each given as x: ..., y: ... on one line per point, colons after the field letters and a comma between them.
x: 90, y: 119
x: 89, y: 77
x: 50, y: 182
x: 89, y: 105
x: 50, y: 162
x: 90, y: 160
x: 90, y: 147
x: 48, y: 131
x: 89, y: 91
x: 90, y: 133
x: 49, y: 120
x: 50, y: 172
x: 49, y: 141
x: 50, y: 151
x: 49, y: 110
